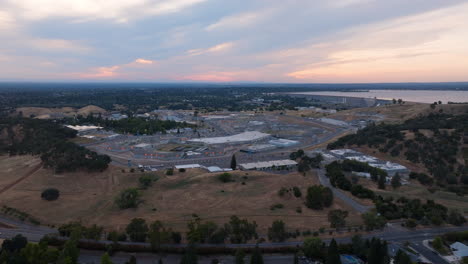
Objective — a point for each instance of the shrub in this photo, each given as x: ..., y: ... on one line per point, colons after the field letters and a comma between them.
x: 50, y: 194
x: 225, y: 177
x: 146, y: 180
x: 128, y: 198
x: 276, y: 206
x: 297, y: 192
x: 170, y: 172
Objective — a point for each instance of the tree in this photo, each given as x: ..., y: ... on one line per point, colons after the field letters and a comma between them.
x: 277, y: 231
x: 190, y: 255
x: 256, y: 257
x: 455, y: 218
x: 137, y: 230
x: 50, y: 194
x: 132, y: 260
x: 337, y: 218
x: 297, y: 192
x: 145, y: 180
x: 15, y: 244
x: 296, y: 258
x: 438, y: 244
x: 402, y: 258
x: 378, y: 253
x: 372, y: 220
x: 239, y: 257
x: 396, y: 181
x: 240, y: 230
x: 313, y: 247
x: 225, y: 177
x: 105, y: 259
x: 128, y: 198
x: 70, y: 251
x: 158, y: 235
x: 333, y: 257
x: 381, y: 182
x: 319, y: 197
x: 233, y: 162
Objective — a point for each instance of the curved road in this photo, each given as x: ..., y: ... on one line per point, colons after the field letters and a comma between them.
x: 325, y: 181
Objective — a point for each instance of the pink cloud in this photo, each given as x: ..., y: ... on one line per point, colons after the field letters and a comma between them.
x: 208, y: 77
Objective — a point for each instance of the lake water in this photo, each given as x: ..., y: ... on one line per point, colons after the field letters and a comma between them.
x: 419, y: 96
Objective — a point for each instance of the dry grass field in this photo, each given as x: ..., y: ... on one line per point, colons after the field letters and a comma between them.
x: 414, y: 190
x: 89, y: 197
x: 398, y: 113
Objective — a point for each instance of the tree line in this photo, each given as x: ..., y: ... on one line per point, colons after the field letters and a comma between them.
x: 51, y: 141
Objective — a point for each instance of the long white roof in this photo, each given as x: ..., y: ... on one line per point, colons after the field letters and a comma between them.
x: 242, y: 137
x: 267, y: 164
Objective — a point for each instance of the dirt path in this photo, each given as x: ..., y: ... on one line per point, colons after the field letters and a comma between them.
x: 29, y: 173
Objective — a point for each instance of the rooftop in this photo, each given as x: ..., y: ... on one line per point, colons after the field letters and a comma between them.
x: 267, y: 164
x: 242, y: 137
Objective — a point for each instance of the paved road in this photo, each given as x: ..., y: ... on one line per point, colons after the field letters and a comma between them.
x: 325, y: 181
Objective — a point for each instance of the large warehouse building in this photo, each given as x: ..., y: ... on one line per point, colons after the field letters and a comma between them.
x: 245, y: 137
x: 268, y: 165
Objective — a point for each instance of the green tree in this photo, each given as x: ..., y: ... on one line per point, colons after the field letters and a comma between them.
x: 438, y: 244
x: 373, y: 221
x: 297, y: 192
x: 128, y: 198
x: 190, y: 255
x: 50, y: 194
x: 239, y: 257
x: 402, y: 258
x: 381, y: 182
x: 105, y: 259
x: 225, y: 177
x: 145, y: 180
x: 132, y: 260
x: 256, y: 257
x: 318, y: 197
x: 313, y: 247
x: 333, y: 256
x: 233, y: 162
x: 70, y: 251
x: 396, y: 181
x: 158, y: 235
x: 277, y: 231
x: 137, y: 230
x: 337, y: 218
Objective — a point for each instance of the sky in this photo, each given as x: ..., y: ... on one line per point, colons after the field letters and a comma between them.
x: 286, y: 41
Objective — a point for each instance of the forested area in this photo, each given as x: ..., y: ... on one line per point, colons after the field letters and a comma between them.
x: 49, y: 140
x: 141, y: 98
x: 437, y: 149
x: 132, y: 125
x: 414, y: 210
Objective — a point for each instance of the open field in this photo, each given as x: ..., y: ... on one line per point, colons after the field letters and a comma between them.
x: 398, y: 113
x: 89, y: 197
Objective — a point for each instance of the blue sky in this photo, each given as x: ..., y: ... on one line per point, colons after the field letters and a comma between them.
x: 224, y: 41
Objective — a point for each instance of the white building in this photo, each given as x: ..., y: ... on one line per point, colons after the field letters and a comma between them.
x: 266, y: 165
x: 249, y: 136
x: 459, y: 250
x: 283, y: 143
x: 188, y: 166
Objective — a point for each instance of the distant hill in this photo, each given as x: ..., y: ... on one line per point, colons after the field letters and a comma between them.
x: 48, y: 113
